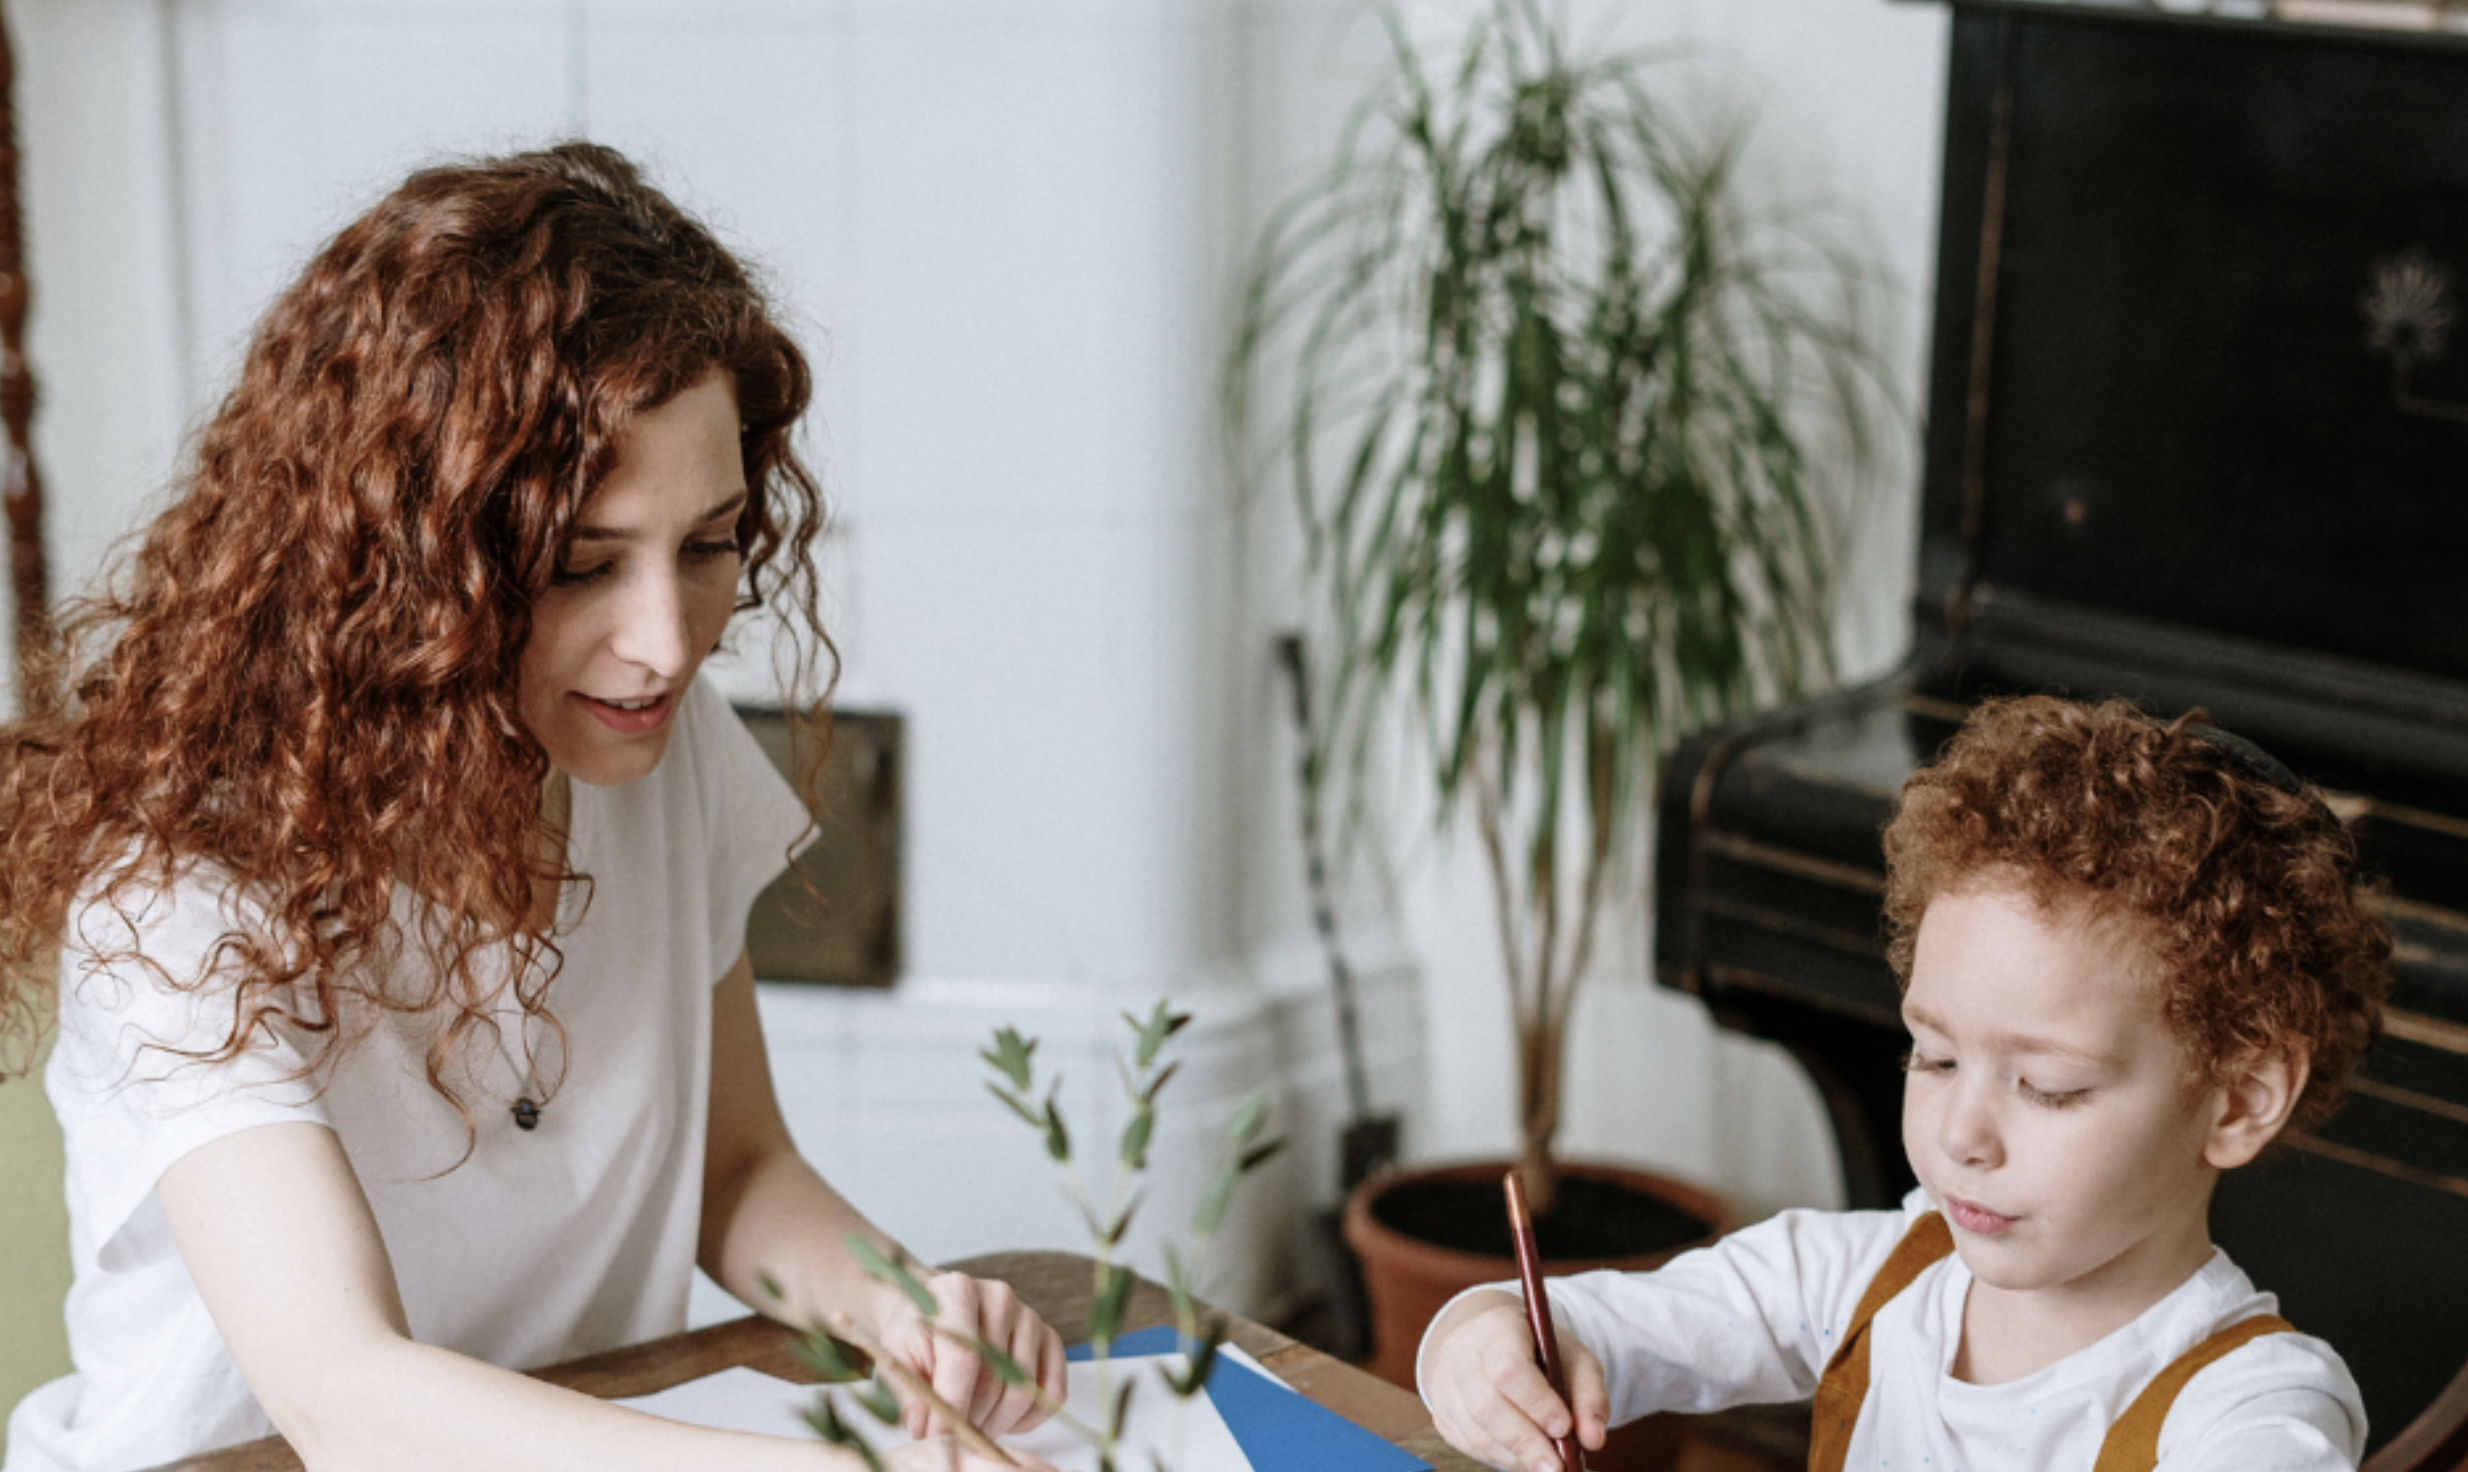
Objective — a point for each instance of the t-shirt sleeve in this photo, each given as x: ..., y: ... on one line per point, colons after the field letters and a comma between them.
x: 145, y: 1004
x: 1751, y: 1319
x: 2281, y: 1403
x: 753, y: 814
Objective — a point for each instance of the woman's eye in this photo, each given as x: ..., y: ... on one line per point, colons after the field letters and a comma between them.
x: 713, y: 547
x: 2054, y: 1098
x: 1915, y: 1061
x: 575, y: 577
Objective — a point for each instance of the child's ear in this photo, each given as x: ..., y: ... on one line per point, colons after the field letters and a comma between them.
x: 2253, y: 1107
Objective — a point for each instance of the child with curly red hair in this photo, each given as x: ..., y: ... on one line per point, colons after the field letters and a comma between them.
x: 389, y: 866
x: 2132, y: 953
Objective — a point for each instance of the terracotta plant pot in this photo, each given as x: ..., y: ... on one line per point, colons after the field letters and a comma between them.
x: 1608, y: 1217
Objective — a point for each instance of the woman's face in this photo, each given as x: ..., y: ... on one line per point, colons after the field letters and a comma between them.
x: 643, y: 593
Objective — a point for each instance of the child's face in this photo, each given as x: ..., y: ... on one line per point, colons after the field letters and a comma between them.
x: 2046, y: 1111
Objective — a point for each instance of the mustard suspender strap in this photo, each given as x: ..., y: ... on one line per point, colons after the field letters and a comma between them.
x: 2133, y: 1443
x: 1845, y: 1383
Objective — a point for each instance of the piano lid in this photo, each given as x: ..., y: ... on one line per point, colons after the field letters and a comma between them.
x: 2201, y: 362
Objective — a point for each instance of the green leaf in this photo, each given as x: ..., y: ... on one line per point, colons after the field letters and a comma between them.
x: 1006, y: 1369
x: 1146, y: 1035
x: 1163, y: 1022
x: 827, y: 1424
x: 825, y: 1419
x: 770, y: 1286
x: 1120, y: 1227
x: 1258, y: 1155
x: 1057, y: 1138
x: 828, y: 1357
x: 1121, y: 1410
x: 881, y: 1268
x: 1248, y: 1119
x: 880, y: 1402
x: 1203, y: 1360
x: 1105, y: 1313
x: 1157, y: 1084
x: 1177, y: 1278
x: 1134, y: 1151
x: 1010, y: 1056
x: 1210, y: 1213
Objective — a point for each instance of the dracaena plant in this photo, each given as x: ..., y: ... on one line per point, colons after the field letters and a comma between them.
x: 1242, y: 1148
x: 1550, y: 402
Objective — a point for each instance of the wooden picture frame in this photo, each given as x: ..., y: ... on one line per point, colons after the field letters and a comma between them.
x: 833, y: 918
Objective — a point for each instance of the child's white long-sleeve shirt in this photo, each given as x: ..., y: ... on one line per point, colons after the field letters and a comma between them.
x: 1755, y: 1317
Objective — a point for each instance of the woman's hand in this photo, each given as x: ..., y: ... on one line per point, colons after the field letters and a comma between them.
x: 769, y: 1220
x: 985, y: 1309
x: 1489, y: 1398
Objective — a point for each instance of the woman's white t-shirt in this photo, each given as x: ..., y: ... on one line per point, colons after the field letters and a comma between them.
x: 1755, y: 1318
x: 539, y: 1246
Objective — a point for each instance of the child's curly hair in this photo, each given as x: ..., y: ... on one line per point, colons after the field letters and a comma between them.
x: 2247, y: 894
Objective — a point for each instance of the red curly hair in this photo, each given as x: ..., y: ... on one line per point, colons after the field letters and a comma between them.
x: 305, y: 676
x: 2244, y: 893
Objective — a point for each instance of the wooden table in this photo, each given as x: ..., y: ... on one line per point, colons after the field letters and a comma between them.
x: 1056, y: 1284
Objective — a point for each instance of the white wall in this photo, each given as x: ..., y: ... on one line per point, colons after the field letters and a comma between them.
x: 1009, y: 229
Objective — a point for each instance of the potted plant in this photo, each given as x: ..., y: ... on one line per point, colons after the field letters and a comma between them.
x: 1563, y: 423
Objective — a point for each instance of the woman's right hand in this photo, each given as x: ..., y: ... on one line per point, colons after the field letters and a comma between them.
x: 1489, y: 1398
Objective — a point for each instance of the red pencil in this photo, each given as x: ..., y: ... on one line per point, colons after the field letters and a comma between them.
x: 1538, y: 1317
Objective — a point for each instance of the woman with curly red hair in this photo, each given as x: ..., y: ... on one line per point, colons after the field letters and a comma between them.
x: 2132, y: 953
x: 389, y: 866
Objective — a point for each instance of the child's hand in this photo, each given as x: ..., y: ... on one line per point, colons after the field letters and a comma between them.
x: 1490, y: 1399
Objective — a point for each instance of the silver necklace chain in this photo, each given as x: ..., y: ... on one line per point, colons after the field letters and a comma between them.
x: 558, y: 801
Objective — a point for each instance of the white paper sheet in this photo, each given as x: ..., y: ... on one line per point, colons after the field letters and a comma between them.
x: 736, y: 1399
x: 1188, y: 1435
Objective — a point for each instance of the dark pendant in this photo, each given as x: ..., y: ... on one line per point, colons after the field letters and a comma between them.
x: 526, y: 1115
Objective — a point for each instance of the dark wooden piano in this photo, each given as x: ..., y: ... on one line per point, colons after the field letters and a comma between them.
x: 2198, y: 435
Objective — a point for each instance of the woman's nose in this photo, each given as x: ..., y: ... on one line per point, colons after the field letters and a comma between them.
x: 651, y: 627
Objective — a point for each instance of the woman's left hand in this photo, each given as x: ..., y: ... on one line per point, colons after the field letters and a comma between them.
x: 984, y: 1309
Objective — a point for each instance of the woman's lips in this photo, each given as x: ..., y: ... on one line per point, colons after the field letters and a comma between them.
x: 1973, y: 1217
x: 627, y: 720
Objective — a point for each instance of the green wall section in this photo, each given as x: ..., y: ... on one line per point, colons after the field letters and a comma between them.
x: 34, y: 1244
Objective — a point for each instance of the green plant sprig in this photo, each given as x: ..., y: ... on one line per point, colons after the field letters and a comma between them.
x: 1143, y: 1076
x: 1242, y: 1149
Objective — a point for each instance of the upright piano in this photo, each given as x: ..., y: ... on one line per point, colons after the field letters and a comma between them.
x: 2197, y: 434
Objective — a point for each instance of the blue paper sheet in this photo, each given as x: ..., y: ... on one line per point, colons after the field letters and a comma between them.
x: 1278, y: 1428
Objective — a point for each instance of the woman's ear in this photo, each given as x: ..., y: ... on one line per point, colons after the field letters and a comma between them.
x: 2253, y: 1107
